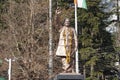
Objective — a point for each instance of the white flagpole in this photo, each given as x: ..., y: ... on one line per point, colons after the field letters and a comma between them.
x: 76, y: 56
x: 50, y: 41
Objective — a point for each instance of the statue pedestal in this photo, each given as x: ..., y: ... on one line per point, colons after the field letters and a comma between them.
x: 69, y: 76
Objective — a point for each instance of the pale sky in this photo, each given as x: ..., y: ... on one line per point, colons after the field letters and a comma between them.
x: 111, y: 7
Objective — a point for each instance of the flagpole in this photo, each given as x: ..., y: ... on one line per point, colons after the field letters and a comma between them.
x: 76, y: 28
x: 50, y: 42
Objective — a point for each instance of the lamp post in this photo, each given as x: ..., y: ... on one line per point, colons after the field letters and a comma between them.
x: 117, y: 64
x: 10, y: 67
x: 118, y: 26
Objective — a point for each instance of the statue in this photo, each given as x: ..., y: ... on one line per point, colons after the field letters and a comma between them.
x: 67, y: 45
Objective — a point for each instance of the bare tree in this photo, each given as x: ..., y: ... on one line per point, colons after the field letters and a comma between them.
x: 26, y: 38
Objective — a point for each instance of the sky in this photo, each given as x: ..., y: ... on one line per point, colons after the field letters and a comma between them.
x: 111, y: 7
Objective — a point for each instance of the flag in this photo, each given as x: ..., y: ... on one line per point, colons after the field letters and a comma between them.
x: 81, y: 3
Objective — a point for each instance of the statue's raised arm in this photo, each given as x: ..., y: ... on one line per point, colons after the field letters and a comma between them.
x: 57, y: 22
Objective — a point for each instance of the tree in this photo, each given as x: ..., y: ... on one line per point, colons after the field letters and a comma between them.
x: 25, y: 39
x: 94, y: 41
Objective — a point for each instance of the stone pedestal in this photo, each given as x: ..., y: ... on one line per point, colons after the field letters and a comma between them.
x: 69, y: 76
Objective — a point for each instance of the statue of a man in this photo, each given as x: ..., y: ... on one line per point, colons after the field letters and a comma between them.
x: 67, y: 46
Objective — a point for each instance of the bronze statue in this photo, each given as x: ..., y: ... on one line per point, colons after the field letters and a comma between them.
x: 67, y: 45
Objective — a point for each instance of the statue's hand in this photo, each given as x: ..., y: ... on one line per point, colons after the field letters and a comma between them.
x: 73, y: 52
x: 58, y: 11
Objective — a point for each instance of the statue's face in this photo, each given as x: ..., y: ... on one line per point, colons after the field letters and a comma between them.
x: 67, y: 22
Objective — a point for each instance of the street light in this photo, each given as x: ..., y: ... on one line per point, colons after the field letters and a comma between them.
x: 10, y: 67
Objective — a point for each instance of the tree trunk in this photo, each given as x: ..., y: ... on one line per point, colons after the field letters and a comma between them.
x: 91, y: 70
x: 84, y: 71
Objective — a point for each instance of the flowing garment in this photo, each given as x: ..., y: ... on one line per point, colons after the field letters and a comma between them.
x: 66, y: 47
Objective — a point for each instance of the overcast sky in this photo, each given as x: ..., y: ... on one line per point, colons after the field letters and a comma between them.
x: 110, y: 7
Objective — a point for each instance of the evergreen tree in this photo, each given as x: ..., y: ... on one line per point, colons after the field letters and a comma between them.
x: 95, y: 43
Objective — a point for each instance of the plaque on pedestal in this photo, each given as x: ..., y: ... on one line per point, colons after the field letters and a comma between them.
x: 69, y: 76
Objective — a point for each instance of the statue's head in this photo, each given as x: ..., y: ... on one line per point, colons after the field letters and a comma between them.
x: 67, y: 22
